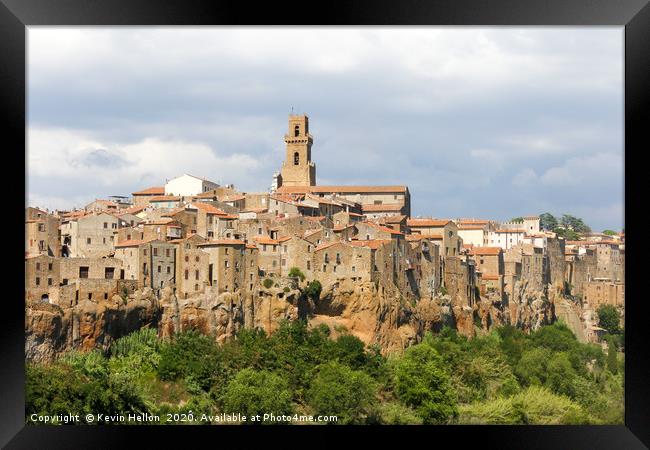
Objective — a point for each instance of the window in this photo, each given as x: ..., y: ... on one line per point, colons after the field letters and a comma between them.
x: 285, y: 249
x: 296, y: 131
x: 41, y: 227
x: 168, y: 269
x: 145, y: 252
x: 308, y: 265
x: 187, y: 274
x: 196, y: 274
x: 324, y: 268
x: 309, y: 248
x: 275, y: 263
x: 113, y: 225
x: 354, y: 269
x: 196, y: 259
x: 38, y: 266
x: 284, y: 262
x: 334, y: 270
x: 109, y: 273
x: 327, y: 258
x: 227, y: 264
x: 167, y: 253
x: 159, y: 269
x: 83, y: 272
x: 128, y: 237
x: 49, y: 266
x: 88, y: 241
x: 155, y: 251
x: 226, y: 250
x: 103, y: 240
x: 38, y: 281
x: 296, y: 159
x: 105, y: 224
x: 196, y: 287
x: 187, y: 259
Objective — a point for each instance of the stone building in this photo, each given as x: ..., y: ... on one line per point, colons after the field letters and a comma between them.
x: 338, y: 260
x: 188, y: 185
x: 532, y: 263
x: 41, y: 233
x: 192, y: 265
x: 597, y: 293
x: 142, y: 197
x: 150, y: 262
x: 227, y: 264
x: 89, y: 236
x: 163, y: 229
x: 214, y: 223
x: 444, y: 229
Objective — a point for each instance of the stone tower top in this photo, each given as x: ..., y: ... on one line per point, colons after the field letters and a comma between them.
x: 298, y: 168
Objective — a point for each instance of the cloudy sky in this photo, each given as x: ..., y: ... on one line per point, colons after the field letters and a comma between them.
x: 478, y: 122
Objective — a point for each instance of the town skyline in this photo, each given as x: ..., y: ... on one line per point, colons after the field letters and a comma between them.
x: 477, y: 122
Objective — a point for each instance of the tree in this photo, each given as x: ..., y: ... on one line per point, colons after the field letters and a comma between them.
x: 422, y: 383
x: 253, y: 392
x: 338, y: 390
x: 314, y: 289
x: 295, y: 272
x: 610, y: 232
x: 573, y: 223
x: 189, y: 355
x: 547, y: 221
x: 608, y: 318
x: 517, y: 220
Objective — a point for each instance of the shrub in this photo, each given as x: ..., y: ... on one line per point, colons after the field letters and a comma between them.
x: 422, y: 383
x: 189, y: 355
x: 343, y: 392
x: 608, y: 318
x: 253, y: 392
x: 267, y: 283
x: 314, y: 289
x: 295, y: 272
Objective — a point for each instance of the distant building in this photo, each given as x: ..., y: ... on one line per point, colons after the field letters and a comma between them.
x: 188, y: 185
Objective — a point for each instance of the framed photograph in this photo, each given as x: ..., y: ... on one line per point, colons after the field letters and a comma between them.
x: 407, y: 217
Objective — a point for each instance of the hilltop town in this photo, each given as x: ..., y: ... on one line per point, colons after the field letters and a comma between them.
x: 195, y: 254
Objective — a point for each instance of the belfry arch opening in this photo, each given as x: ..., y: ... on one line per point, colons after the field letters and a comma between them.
x: 296, y: 130
x: 296, y: 159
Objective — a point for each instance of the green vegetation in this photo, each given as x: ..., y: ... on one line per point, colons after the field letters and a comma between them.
x: 609, y: 319
x: 267, y: 283
x: 295, y: 272
x: 610, y: 232
x: 504, y: 377
x: 314, y: 289
x: 568, y: 227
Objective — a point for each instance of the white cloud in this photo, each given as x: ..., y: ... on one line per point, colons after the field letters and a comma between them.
x: 588, y: 170
x: 525, y: 178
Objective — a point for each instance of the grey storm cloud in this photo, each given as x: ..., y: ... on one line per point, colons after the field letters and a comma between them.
x: 478, y: 122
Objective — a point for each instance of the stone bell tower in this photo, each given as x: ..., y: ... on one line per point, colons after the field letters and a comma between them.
x: 298, y: 169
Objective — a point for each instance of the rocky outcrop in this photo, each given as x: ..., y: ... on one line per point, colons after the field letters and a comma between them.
x: 51, y: 330
x: 377, y: 314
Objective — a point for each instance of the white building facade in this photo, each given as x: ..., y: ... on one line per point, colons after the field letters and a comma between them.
x: 188, y: 185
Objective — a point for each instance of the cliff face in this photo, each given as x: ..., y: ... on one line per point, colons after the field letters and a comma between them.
x: 378, y: 315
x: 51, y: 330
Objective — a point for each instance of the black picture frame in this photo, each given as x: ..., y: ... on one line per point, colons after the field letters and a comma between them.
x: 16, y: 15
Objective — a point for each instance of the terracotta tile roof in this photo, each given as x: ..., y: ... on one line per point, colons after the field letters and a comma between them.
x: 251, y: 246
x: 209, y: 209
x: 384, y: 229
x: 161, y: 221
x: 383, y: 207
x: 156, y: 190
x: 471, y: 227
x: 341, y: 189
x: 343, y: 227
x: 222, y: 242
x: 427, y: 222
x: 473, y: 221
x: 133, y: 209
x: 208, y: 194
x: 486, y: 251
x: 165, y: 198
x: 232, y: 198
x: 490, y: 277
x: 413, y: 237
x: 327, y: 245
x: 510, y: 231
x: 265, y: 240
x: 315, y: 218
x: 133, y: 242
x: 394, y: 219
x: 284, y: 238
x: 372, y: 243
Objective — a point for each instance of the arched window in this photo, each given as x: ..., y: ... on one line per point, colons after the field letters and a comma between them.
x: 296, y: 130
x: 296, y: 159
